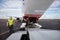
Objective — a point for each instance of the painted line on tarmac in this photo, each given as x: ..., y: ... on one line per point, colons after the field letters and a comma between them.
x: 4, y: 32
x: 8, y: 31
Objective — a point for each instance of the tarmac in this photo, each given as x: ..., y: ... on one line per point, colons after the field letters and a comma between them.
x: 50, y: 24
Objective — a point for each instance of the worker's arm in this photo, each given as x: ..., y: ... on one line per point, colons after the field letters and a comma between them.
x: 13, y: 22
x: 7, y: 24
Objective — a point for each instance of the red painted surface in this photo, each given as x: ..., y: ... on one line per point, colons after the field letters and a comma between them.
x: 32, y: 15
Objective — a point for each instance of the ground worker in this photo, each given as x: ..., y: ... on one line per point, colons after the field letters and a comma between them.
x: 10, y: 24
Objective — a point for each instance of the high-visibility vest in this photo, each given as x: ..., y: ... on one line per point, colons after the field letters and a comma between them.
x: 10, y: 22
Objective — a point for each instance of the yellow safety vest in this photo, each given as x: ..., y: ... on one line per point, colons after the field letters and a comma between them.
x: 10, y: 22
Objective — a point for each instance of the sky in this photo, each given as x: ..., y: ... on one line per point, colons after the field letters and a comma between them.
x: 53, y: 12
x: 13, y: 7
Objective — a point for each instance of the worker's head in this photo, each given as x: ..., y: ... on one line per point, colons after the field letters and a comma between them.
x: 10, y: 18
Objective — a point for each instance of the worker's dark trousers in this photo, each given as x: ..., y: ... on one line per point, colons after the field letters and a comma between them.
x: 11, y: 29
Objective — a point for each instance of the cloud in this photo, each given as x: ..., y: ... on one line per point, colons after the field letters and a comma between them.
x: 11, y: 4
x: 53, y: 12
x: 16, y: 8
x: 11, y: 12
x: 11, y: 8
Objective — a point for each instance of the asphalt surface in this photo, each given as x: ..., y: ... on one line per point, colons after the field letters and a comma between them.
x: 51, y: 24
